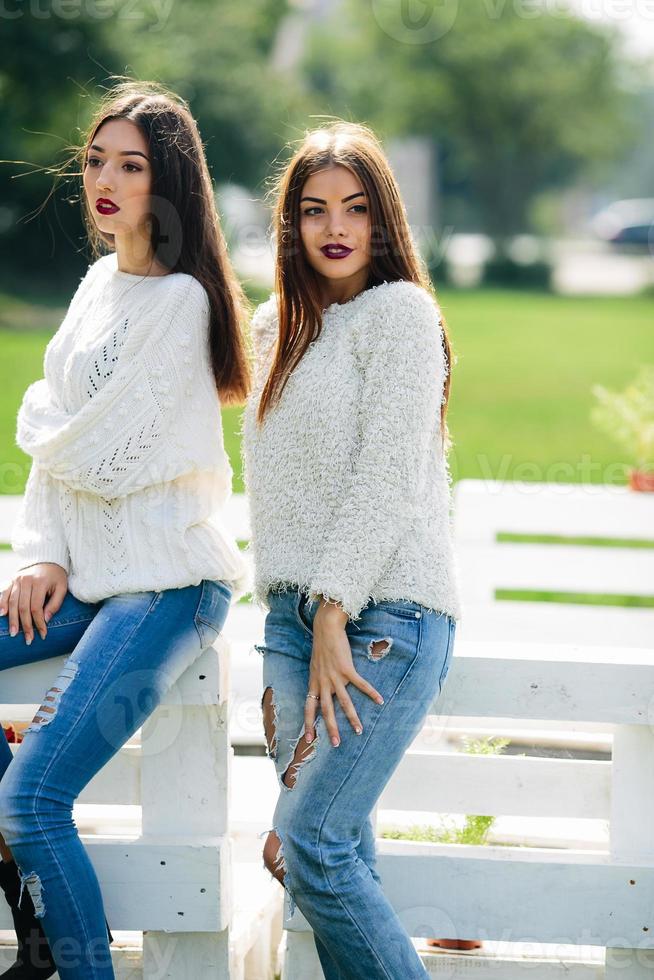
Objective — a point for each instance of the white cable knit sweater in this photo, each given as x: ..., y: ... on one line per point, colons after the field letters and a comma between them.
x: 350, y: 494
x: 129, y: 473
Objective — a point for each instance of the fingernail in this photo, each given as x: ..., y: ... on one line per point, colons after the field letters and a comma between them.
x: 48, y: 617
x: 309, y: 737
x: 28, y: 639
x: 335, y: 740
x: 380, y: 701
x: 13, y: 631
x: 42, y: 635
x: 358, y: 730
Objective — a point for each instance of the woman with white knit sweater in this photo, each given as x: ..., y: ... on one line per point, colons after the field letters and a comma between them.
x: 126, y: 565
x: 345, y: 458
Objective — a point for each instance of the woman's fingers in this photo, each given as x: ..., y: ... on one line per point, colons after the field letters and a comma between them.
x: 12, y: 611
x: 329, y: 716
x: 37, y: 602
x: 348, y: 708
x: 365, y: 687
x: 25, y: 611
x: 310, y: 710
x: 337, y: 685
x: 53, y: 604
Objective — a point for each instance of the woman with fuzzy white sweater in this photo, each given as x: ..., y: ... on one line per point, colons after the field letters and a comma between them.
x: 345, y: 459
x: 125, y: 563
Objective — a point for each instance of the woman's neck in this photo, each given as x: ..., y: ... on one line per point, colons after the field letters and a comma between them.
x: 137, y: 261
x: 343, y: 290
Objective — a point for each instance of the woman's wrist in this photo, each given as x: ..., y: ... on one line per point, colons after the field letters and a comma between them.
x: 330, y: 611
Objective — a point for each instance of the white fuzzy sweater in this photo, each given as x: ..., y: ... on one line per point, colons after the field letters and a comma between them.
x: 129, y: 473
x: 350, y: 494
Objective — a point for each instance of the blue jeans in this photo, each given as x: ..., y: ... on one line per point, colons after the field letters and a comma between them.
x: 125, y: 653
x: 323, y: 819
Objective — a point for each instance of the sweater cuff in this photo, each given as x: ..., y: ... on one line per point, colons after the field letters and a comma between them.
x: 36, y: 554
x: 350, y: 603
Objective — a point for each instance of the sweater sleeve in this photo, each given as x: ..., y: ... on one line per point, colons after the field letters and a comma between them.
x: 38, y: 534
x: 163, y: 423
x: 264, y: 331
x: 404, y: 369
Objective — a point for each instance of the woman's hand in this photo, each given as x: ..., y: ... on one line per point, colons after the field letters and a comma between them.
x: 25, y: 597
x: 331, y: 669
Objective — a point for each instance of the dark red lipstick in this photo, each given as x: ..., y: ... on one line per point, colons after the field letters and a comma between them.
x: 105, y: 206
x: 333, y: 251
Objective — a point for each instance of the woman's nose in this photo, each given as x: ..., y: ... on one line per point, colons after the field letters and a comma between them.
x: 104, y: 181
x: 335, y: 226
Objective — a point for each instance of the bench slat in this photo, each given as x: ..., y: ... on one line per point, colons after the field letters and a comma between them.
x: 454, y: 782
x: 168, y: 884
x: 510, y: 893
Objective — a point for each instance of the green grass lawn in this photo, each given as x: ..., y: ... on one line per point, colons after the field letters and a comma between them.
x: 520, y: 401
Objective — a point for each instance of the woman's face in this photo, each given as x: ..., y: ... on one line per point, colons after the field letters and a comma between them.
x: 335, y: 211
x: 118, y: 178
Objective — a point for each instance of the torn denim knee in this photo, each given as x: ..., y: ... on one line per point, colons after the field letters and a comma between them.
x: 33, y: 884
x: 279, y: 864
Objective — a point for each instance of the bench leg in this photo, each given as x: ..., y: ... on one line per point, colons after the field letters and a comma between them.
x: 300, y: 957
x: 177, y: 955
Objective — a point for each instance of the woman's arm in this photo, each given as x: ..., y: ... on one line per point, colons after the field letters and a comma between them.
x: 404, y: 377
x: 38, y: 540
x: 157, y: 419
x: 38, y: 533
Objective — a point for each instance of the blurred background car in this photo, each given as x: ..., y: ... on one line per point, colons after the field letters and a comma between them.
x: 627, y: 222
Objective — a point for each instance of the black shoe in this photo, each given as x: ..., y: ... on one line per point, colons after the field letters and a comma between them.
x: 34, y: 960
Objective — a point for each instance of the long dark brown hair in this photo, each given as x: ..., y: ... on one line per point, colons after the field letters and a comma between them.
x: 185, y: 231
x: 297, y: 285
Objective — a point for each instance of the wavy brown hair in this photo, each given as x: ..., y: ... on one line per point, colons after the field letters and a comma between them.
x: 393, y: 253
x: 185, y: 231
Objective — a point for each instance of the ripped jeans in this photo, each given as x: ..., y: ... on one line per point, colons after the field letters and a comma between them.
x: 322, y: 818
x: 125, y: 653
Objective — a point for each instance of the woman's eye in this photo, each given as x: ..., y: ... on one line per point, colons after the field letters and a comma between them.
x: 96, y: 162
x: 362, y: 206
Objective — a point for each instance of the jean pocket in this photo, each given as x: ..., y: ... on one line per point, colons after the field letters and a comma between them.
x: 301, y: 607
x: 403, y: 609
x: 212, y: 610
x: 448, y: 654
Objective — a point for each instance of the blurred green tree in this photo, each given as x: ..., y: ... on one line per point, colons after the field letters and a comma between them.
x: 519, y: 99
x: 45, y: 62
x: 52, y: 68
x: 218, y: 56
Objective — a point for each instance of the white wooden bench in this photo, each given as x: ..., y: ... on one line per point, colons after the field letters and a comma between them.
x: 174, y: 881
x: 485, y: 508
x: 573, y: 913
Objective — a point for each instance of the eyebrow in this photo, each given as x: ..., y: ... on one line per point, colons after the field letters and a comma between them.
x: 320, y: 200
x: 123, y: 153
